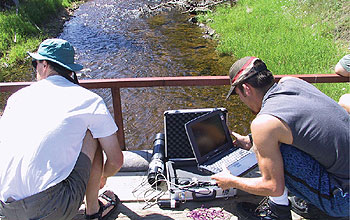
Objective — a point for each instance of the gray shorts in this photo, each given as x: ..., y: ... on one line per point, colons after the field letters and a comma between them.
x: 61, y: 201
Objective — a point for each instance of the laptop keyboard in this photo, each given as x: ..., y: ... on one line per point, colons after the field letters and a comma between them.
x: 228, y: 160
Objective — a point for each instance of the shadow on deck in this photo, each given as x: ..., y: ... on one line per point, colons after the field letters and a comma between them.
x: 127, y: 184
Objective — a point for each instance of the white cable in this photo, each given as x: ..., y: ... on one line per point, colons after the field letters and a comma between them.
x: 151, y: 194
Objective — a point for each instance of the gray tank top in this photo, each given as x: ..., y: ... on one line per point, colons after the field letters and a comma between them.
x: 320, y: 126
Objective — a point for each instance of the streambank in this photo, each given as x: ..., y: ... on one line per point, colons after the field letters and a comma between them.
x: 292, y: 37
x: 22, y: 29
x: 21, y: 69
x: 14, y: 63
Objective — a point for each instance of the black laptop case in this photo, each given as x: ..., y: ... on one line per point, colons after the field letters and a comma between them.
x: 187, y: 183
x: 177, y: 146
x: 181, y: 165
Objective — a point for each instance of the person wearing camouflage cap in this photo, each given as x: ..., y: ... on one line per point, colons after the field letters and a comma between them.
x: 301, y: 140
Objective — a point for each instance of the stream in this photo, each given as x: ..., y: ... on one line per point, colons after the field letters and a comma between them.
x: 113, y: 40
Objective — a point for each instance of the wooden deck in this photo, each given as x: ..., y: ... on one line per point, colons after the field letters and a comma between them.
x: 132, y: 205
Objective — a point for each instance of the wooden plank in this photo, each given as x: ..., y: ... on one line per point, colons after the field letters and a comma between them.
x: 13, y: 86
x: 174, y: 81
x: 318, y: 78
x: 116, y: 84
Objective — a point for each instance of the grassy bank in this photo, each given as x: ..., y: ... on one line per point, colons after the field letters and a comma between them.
x: 291, y: 36
x: 23, y: 30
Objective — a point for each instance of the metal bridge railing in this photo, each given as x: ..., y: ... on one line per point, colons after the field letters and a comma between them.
x: 116, y: 84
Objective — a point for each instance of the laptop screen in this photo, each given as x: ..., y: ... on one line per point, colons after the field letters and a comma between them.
x: 208, y: 135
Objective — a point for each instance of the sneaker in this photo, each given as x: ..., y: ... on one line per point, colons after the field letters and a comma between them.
x: 309, y: 211
x: 266, y: 210
x: 301, y: 207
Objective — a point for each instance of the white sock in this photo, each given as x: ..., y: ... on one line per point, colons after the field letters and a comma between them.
x: 281, y: 200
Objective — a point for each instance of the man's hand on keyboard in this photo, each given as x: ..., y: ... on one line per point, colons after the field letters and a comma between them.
x: 223, y: 179
x: 241, y: 141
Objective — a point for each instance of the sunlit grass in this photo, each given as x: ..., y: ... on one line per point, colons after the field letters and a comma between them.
x: 291, y: 36
x: 21, y: 31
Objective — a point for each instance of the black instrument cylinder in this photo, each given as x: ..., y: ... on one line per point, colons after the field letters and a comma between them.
x: 156, y: 165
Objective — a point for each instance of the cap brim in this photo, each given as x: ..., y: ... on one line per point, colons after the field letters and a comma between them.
x: 231, y: 92
x: 36, y: 56
x: 72, y: 67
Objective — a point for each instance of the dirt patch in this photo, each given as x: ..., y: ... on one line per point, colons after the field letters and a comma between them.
x: 343, y: 24
x: 185, y: 6
x: 55, y: 26
x: 6, y: 4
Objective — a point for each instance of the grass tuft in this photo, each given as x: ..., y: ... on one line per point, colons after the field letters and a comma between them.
x: 22, y: 30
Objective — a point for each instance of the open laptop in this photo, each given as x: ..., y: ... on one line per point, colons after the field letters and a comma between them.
x: 212, y: 146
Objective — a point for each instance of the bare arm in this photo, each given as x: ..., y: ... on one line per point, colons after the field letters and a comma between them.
x: 268, y: 132
x: 114, y: 162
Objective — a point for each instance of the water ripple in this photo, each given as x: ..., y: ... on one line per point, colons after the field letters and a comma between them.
x: 112, y: 40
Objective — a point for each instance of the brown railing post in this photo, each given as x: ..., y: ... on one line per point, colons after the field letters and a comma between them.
x: 117, y: 108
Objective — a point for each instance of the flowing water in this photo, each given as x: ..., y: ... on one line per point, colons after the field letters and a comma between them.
x: 112, y: 40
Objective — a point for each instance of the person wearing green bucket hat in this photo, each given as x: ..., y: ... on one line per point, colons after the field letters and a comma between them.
x: 301, y: 139
x: 54, y: 133
x: 60, y: 55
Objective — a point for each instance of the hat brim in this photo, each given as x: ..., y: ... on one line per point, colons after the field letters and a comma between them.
x: 72, y: 66
x: 231, y: 92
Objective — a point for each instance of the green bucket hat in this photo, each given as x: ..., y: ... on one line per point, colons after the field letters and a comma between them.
x: 58, y: 51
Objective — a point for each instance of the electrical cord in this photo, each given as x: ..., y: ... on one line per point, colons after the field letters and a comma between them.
x: 151, y: 193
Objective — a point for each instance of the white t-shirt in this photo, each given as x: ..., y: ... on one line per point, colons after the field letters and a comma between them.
x: 41, y: 134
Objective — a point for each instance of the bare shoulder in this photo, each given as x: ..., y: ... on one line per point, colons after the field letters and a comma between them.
x: 269, y: 126
x: 265, y: 121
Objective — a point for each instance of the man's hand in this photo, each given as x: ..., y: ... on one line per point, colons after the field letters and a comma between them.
x: 224, y: 178
x: 242, y: 141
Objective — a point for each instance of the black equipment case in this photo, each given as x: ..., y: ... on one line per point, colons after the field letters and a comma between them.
x: 186, y: 182
x: 177, y: 146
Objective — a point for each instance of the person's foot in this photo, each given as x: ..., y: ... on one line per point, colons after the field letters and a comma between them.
x: 108, y: 202
x: 301, y: 207
x: 309, y: 211
x: 266, y: 210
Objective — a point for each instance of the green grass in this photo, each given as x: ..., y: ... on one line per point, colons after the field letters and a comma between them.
x: 291, y: 36
x: 23, y: 31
